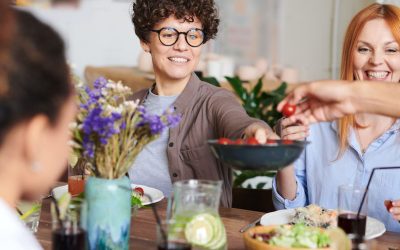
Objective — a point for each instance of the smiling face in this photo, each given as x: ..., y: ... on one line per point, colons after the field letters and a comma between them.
x: 377, y: 53
x: 173, y: 64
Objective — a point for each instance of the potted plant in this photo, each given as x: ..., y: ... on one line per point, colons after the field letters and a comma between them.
x: 262, y: 105
x: 109, y: 133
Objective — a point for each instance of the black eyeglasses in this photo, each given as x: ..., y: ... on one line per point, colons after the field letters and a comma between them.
x: 169, y: 36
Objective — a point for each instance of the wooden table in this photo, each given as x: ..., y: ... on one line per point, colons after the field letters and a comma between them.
x: 143, y: 228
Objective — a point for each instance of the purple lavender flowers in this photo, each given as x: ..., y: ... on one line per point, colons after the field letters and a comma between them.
x: 110, y: 131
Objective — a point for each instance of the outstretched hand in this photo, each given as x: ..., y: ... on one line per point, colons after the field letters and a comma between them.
x: 320, y: 101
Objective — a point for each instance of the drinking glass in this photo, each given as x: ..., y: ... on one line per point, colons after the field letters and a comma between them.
x: 69, y: 230
x: 30, y: 213
x: 350, y: 198
x: 170, y: 236
x: 77, y: 177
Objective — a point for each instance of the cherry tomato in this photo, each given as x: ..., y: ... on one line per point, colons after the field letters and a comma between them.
x: 239, y: 142
x: 288, y: 109
x: 252, y: 141
x: 139, y: 190
x: 224, y: 141
x: 388, y: 205
x: 287, y: 142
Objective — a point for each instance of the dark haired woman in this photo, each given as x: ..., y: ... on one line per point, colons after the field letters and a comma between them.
x: 35, y: 112
x: 174, y: 33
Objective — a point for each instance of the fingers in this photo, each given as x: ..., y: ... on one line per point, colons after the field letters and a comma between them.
x: 295, y: 132
x: 395, y: 209
x: 261, y: 135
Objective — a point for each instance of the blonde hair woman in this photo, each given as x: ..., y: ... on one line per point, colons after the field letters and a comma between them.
x: 345, y: 151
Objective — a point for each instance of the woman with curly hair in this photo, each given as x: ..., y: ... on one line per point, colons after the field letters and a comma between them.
x: 174, y: 33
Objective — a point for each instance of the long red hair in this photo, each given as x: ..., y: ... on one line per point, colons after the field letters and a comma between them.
x: 389, y: 13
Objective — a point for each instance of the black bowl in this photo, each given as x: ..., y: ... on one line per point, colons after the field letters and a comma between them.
x: 271, y: 156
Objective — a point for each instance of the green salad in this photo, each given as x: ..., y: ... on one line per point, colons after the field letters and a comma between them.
x: 296, y: 236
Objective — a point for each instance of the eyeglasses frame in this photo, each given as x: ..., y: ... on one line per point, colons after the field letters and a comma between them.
x: 179, y: 33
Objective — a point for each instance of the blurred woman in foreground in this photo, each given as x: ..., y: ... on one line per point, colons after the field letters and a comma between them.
x: 346, y: 150
x: 35, y: 111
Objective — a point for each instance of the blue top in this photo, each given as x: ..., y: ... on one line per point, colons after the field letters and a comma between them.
x: 319, y: 173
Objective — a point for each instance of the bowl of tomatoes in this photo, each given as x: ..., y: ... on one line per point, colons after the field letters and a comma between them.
x: 248, y: 154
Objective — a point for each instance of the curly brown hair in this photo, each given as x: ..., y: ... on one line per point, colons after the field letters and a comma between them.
x: 147, y: 13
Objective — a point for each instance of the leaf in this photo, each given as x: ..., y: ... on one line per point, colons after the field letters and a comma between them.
x: 245, y: 175
x: 136, y: 202
x: 260, y: 185
x: 211, y: 80
x: 257, y: 88
x: 237, y: 86
x: 281, y: 89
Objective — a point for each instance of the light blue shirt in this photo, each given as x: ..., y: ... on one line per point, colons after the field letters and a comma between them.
x: 319, y: 173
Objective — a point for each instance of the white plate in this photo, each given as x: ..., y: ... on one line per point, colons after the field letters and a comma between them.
x: 155, y: 194
x: 374, y: 228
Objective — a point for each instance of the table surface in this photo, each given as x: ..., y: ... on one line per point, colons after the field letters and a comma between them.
x: 143, y: 228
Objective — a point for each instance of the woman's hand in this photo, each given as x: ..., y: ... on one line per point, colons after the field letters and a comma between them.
x: 320, y: 101
x: 260, y: 131
x: 394, y: 208
x: 291, y: 130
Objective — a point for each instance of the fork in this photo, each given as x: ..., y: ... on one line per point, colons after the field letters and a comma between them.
x: 251, y: 224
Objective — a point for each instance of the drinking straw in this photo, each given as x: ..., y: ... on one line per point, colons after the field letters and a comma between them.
x: 57, y: 209
x: 369, y: 182
x: 158, y: 220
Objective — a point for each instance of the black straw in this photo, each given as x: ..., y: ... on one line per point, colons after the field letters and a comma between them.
x: 57, y: 209
x: 158, y: 220
x: 369, y: 182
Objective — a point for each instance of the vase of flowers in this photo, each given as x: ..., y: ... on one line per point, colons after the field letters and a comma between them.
x: 109, y: 132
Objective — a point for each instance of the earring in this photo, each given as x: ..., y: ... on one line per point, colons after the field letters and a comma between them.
x: 36, y: 166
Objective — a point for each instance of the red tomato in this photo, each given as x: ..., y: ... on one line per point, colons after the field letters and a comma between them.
x: 271, y: 141
x: 139, y: 190
x: 252, y: 141
x: 224, y: 141
x: 288, y: 109
x: 388, y: 204
x: 287, y: 142
x: 239, y: 142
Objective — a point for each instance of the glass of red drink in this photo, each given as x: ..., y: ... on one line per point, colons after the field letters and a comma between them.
x: 349, y: 220
x: 77, y: 177
x: 69, y: 230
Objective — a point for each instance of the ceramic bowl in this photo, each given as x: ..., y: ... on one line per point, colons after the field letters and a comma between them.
x: 271, y: 156
x: 253, y: 244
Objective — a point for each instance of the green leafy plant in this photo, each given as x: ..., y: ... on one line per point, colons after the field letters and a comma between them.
x: 258, y: 104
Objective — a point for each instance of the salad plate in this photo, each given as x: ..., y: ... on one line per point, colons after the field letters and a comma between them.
x: 374, y: 227
x: 155, y: 194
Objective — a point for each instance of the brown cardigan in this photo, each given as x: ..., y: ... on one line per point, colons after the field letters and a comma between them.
x: 208, y: 112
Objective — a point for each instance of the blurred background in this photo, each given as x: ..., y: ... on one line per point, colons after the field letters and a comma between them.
x: 303, y: 37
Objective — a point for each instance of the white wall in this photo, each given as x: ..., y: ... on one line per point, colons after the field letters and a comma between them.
x: 307, y: 36
x: 98, y: 33
x: 101, y: 33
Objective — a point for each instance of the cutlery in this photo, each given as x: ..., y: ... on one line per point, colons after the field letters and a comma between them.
x: 252, y: 224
